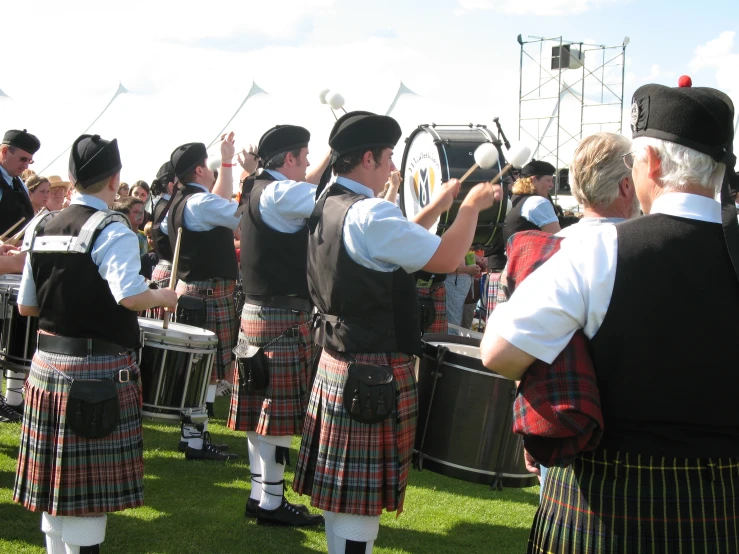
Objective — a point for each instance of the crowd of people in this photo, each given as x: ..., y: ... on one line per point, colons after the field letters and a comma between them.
x: 325, y: 347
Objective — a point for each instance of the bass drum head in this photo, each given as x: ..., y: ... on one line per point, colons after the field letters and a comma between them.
x: 176, y: 334
x: 422, y: 173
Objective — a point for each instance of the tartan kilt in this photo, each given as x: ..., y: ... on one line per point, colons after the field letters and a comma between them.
x: 350, y: 467
x: 438, y: 295
x: 492, y: 296
x: 279, y: 410
x: 616, y: 502
x: 220, y: 316
x: 67, y: 475
x: 161, y: 274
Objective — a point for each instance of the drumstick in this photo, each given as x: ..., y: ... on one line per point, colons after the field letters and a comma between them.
x: 6, y: 233
x: 173, y: 277
x: 19, y: 235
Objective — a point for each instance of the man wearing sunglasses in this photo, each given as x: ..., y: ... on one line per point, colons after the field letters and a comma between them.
x: 16, y: 154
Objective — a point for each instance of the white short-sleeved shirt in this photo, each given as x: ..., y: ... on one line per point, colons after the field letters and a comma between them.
x: 115, y: 252
x: 539, y: 211
x: 378, y: 236
x: 285, y: 204
x: 573, y: 289
x: 587, y: 224
x: 204, y: 212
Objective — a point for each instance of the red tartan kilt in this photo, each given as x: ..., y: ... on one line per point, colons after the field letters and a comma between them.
x: 492, y: 293
x: 438, y: 295
x: 350, y: 467
x: 161, y: 275
x: 67, y: 475
x: 280, y: 409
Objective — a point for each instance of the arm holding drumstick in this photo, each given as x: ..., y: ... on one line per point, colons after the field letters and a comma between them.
x: 173, y: 277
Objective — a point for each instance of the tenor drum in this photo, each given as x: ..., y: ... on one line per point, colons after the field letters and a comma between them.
x: 19, y: 334
x: 436, y: 153
x: 175, y: 367
x: 465, y: 416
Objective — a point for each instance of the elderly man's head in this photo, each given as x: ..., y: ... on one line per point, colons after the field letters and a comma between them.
x: 600, y: 180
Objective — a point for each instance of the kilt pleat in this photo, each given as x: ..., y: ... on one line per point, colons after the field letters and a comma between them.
x: 220, y: 316
x: 492, y: 293
x: 160, y: 275
x: 279, y: 410
x: 438, y: 295
x: 351, y: 467
x: 67, y: 475
x: 624, y: 503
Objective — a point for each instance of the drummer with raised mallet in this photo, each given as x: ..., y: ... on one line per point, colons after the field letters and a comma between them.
x: 362, y: 253
x: 86, y: 297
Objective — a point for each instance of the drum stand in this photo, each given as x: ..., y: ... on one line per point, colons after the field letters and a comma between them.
x: 441, y: 352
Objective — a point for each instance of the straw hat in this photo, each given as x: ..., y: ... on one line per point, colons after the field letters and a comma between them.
x: 56, y: 181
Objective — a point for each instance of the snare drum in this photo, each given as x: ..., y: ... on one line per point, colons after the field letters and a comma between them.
x: 436, y: 153
x: 465, y: 416
x: 175, y: 364
x: 19, y: 334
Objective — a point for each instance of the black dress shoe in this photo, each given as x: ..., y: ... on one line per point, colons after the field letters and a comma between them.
x: 287, y: 515
x: 8, y: 414
x: 182, y: 446
x: 211, y: 411
x: 252, y: 505
x: 208, y: 452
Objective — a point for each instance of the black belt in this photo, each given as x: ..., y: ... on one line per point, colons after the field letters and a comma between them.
x: 72, y: 346
x: 293, y: 303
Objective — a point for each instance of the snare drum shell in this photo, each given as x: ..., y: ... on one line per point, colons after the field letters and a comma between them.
x: 469, y: 432
x: 18, y: 334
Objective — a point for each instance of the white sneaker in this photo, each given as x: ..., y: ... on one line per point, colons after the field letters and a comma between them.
x: 224, y: 388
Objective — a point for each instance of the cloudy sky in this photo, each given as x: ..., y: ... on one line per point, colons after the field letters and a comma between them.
x: 188, y: 64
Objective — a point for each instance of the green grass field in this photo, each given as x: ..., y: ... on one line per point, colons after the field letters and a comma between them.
x: 198, y: 507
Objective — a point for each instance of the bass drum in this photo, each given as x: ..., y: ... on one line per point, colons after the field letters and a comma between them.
x: 436, y: 153
x: 465, y: 416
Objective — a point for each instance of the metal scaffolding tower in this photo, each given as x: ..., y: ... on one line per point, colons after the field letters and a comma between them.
x: 568, y: 90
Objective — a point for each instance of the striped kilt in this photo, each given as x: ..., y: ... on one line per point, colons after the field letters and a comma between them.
x: 492, y: 293
x: 67, y: 475
x: 220, y: 316
x: 279, y: 410
x: 161, y: 274
x: 615, y: 502
x: 438, y: 294
x: 350, y: 467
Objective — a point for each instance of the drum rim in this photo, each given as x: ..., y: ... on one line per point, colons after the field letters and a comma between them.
x: 205, y: 335
x: 181, y: 344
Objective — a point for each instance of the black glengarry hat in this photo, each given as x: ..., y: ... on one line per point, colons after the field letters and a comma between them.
x: 23, y: 140
x: 537, y: 169
x: 187, y: 157
x: 700, y: 118
x: 166, y: 174
x: 362, y: 130
x: 282, y: 138
x: 93, y: 159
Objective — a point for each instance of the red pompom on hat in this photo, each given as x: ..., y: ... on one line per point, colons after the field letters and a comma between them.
x: 685, y: 81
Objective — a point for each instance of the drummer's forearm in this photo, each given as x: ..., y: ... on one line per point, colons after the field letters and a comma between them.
x: 151, y: 298
x: 28, y: 311
x: 428, y: 214
x: 313, y: 175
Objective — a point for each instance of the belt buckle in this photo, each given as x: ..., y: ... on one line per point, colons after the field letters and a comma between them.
x: 123, y: 372
x: 209, y: 292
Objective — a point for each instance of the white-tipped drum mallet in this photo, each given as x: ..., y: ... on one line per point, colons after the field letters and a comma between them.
x: 333, y: 99
x: 173, y: 277
x: 518, y: 155
x: 6, y: 233
x: 486, y: 156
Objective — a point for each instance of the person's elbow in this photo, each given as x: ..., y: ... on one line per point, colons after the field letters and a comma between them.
x: 28, y: 311
x: 502, y: 357
x: 443, y: 261
x: 134, y: 303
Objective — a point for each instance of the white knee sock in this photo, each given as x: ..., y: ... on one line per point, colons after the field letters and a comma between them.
x: 210, y: 395
x: 255, y: 465
x: 328, y: 517
x: 272, y: 472
x: 355, y: 528
x: 83, y: 531
x: 52, y: 526
x: 14, y: 388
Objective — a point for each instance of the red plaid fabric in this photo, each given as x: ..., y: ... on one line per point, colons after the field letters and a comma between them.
x: 220, y: 316
x: 350, y: 467
x: 67, y: 475
x: 161, y: 274
x: 279, y: 410
x: 437, y: 293
x: 557, y: 408
x: 492, y: 292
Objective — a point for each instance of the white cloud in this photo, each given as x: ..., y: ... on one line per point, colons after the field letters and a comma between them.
x: 533, y: 7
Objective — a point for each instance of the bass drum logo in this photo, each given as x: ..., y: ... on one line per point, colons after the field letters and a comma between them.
x: 422, y: 173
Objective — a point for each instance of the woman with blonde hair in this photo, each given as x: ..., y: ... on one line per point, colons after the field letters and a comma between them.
x: 532, y: 210
x: 38, y: 192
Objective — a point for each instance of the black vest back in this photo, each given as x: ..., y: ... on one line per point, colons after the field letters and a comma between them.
x: 514, y: 221
x: 363, y: 310
x: 665, y: 355
x: 14, y: 205
x: 263, y: 268
x: 161, y: 241
x: 74, y: 300
x: 203, y: 255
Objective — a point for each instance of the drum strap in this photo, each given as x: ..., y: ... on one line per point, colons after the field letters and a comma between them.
x: 440, y: 355
x: 81, y: 244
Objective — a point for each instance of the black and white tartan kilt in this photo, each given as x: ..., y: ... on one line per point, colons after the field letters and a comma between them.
x: 220, y: 316
x: 161, y: 275
x: 279, y: 410
x: 350, y: 467
x: 619, y: 503
x: 67, y: 475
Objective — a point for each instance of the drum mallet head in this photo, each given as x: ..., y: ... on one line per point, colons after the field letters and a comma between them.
x: 335, y: 100
x: 518, y: 155
x: 322, y: 95
x: 486, y: 155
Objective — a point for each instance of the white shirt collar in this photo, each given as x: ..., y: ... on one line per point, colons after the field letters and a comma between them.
x: 353, y: 186
x: 89, y: 201
x: 197, y: 185
x: 6, y: 175
x: 277, y: 175
x: 690, y: 206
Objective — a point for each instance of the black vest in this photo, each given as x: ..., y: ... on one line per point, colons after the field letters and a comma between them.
x: 665, y: 355
x: 203, y: 255
x: 14, y: 205
x: 275, y: 263
x: 514, y: 221
x: 363, y: 310
x: 74, y: 300
x: 161, y: 241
